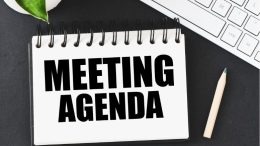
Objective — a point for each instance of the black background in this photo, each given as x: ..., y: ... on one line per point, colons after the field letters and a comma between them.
x: 238, y: 120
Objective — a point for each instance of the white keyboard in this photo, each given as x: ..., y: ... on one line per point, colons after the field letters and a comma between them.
x: 232, y: 24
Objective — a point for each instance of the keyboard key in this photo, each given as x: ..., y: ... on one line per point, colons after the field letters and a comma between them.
x: 253, y: 6
x: 231, y: 35
x: 205, y: 3
x: 221, y: 7
x: 210, y: 23
x: 257, y: 56
x: 253, y: 26
x: 237, y: 16
x: 247, y: 45
x: 239, y: 2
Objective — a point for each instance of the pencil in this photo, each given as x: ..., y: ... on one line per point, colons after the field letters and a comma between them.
x: 215, y: 105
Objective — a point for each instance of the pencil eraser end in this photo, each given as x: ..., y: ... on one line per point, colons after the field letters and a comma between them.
x: 207, y: 135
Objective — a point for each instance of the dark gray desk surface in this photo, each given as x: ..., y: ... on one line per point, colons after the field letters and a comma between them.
x: 238, y: 120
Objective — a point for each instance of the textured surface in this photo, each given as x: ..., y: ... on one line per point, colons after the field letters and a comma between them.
x: 238, y: 119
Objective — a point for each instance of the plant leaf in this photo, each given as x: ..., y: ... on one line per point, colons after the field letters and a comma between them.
x: 36, y: 8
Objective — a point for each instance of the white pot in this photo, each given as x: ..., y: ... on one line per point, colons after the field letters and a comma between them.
x: 50, y: 4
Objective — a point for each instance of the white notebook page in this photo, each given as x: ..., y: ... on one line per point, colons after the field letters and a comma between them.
x: 47, y: 129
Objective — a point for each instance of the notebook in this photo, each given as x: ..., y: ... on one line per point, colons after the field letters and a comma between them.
x: 108, y: 87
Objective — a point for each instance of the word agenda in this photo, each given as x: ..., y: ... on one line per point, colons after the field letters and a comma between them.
x: 97, y: 79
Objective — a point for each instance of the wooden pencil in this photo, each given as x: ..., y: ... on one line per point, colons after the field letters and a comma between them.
x: 215, y: 105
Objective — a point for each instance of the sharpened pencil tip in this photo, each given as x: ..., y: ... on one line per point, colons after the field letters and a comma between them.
x: 225, y: 70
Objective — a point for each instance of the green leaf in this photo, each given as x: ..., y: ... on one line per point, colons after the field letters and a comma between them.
x: 36, y: 8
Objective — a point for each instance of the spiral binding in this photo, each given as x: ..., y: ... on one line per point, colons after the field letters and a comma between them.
x: 102, y: 41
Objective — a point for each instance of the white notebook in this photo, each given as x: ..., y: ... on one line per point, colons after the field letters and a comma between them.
x: 109, y: 92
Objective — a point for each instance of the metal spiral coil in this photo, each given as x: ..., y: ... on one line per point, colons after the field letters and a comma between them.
x: 63, y: 31
x: 39, y: 36
x: 51, y: 33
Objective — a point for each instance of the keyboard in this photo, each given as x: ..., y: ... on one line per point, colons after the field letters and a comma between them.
x: 234, y: 25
